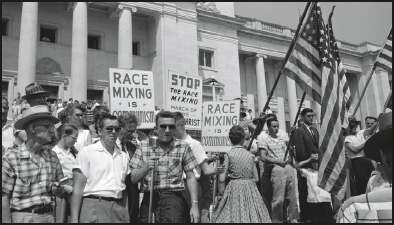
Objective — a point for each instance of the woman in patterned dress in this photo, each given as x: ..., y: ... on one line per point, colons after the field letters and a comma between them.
x: 241, y: 202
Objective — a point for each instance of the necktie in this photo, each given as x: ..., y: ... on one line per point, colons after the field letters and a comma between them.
x: 310, y: 129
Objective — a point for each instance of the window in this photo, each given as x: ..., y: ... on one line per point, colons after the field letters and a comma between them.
x: 206, y: 58
x: 4, y: 27
x: 94, y: 42
x: 48, y: 34
x: 95, y: 95
x: 136, y: 48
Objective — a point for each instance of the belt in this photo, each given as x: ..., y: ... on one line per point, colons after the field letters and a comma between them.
x: 36, y: 209
x: 108, y: 199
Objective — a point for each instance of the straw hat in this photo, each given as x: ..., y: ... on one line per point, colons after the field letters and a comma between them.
x: 33, y: 89
x: 35, y: 113
x: 382, y: 138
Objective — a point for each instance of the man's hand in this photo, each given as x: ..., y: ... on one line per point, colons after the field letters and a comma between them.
x: 68, y: 188
x: 282, y: 164
x: 293, y: 129
x: 152, y: 162
x: 57, y: 190
x: 194, y: 213
x: 220, y: 169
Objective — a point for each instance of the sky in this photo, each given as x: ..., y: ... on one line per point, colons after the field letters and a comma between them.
x: 353, y: 22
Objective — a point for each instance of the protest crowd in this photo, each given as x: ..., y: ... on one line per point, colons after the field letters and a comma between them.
x: 82, y: 162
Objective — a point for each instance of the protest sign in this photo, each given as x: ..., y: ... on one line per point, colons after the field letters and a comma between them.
x: 218, y: 118
x: 132, y: 91
x: 184, y: 94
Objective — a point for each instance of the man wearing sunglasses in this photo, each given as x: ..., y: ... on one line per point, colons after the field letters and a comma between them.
x: 99, y: 178
x: 128, y: 141
x: 170, y: 159
x: 30, y: 172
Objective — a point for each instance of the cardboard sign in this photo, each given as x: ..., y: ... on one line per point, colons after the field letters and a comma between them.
x: 132, y: 91
x: 184, y: 94
x: 218, y: 118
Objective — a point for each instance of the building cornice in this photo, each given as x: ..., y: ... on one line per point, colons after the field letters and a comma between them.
x: 219, y: 19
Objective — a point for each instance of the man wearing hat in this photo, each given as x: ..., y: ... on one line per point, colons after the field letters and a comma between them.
x: 377, y: 204
x: 354, y: 143
x: 30, y: 173
x: 35, y: 94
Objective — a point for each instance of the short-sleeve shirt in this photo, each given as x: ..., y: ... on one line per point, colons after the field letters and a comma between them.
x: 7, y: 135
x: 171, y: 162
x: 356, y: 140
x: 315, y: 193
x: 105, y: 173
x: 199, y: 154
x: 27, y: 180
x: 67, y: 160
x: 275, y: 147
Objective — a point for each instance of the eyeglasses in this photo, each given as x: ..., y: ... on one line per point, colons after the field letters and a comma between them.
x: 78, y: 115
x: 110, y: 129
x: 47, y: 126
x: 164, y: 127
x: 75, y: 138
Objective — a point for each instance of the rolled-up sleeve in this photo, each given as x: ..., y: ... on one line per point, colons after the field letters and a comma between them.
x: 137, y: 161
x: 82, y: 162
x: 189, y: 161
x: 8, y: 177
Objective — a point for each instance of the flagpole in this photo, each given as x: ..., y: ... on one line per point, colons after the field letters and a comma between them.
x: 261, y: 122
x: 295, y: 123
x: 387, y: 102
x: 368, y: 80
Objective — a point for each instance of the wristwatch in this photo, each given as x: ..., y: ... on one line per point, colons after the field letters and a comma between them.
x: 195, y: 201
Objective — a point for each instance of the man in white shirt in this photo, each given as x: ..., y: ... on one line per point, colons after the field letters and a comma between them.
x: 99, y: 178
x: 7, y: 132
x: 199, y: 154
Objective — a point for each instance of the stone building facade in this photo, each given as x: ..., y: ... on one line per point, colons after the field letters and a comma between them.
x: 68, y: 47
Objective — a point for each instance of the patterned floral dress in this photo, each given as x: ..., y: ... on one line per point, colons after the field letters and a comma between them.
x: 241, y: 202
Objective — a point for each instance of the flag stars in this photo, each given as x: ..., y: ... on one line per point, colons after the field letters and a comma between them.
x: 309, y: 38
x: 326, y: 51
x: 321, y: 39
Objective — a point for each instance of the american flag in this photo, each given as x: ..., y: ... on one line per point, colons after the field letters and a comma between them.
x: 316, y: 67
x: 385, y: 59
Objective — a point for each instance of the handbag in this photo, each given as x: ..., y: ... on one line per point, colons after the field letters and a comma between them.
x: 373, y: 216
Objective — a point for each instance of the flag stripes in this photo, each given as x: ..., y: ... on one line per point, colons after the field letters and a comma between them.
x: 385, y: 59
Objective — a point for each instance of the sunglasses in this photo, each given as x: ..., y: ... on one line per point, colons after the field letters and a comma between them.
x: 164, y: 127
x: 110, y: 129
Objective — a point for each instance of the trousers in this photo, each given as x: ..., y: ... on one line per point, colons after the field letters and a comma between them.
x: 100, y: 211
x: 283, y: 187
x: 26, y: 217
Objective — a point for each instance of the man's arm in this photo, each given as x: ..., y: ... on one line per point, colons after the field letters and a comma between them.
x: 265, y: 158
x: 299, y: 144
x: 354, y: 148
x: 77, y: 195
x: 193, y: 189
x: 6, y: 211
x: 299, y: 165
x: 137, y: 175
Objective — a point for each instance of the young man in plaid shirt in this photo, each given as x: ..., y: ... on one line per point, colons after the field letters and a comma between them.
x: 173, y: 156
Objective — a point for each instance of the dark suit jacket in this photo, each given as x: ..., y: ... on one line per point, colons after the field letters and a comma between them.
x: 306, y: 144
x: 132, y: 190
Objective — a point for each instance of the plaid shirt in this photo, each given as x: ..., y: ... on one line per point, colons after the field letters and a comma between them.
x: 168, y: 174
x: 275, y: 147
x: 26, y: 180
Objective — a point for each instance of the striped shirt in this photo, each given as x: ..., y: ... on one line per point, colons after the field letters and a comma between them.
x: 275, y: 147
x: 28, y: 180
x: 171, y: 163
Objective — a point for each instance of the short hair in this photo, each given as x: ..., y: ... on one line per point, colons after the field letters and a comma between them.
x: 68, y: 111
x: 271, y: 115
x: 179, y: 116
x: 243, y: 114
x: 236, y: 134
x: 255, y: 121
x: 128, y: 117
x: 67, y: 129
x: 96, y: 115
x: 250, y: 110
x: 270, y: 121
x: 165, y: 114
x: 371, y: 118
x: 103, y: 117
x: 305, y: 111
x: 70, y: 99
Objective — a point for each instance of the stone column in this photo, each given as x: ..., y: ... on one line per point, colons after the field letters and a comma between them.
x: 125, y: 37
x: 27, y: 46
x: 292, y: 97
x: 261, y: 85
x: 79, y: 52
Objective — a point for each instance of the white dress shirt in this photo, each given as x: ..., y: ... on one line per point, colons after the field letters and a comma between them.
x: 105, y: 173
x: 67, y: 160
x: 315, y: 193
